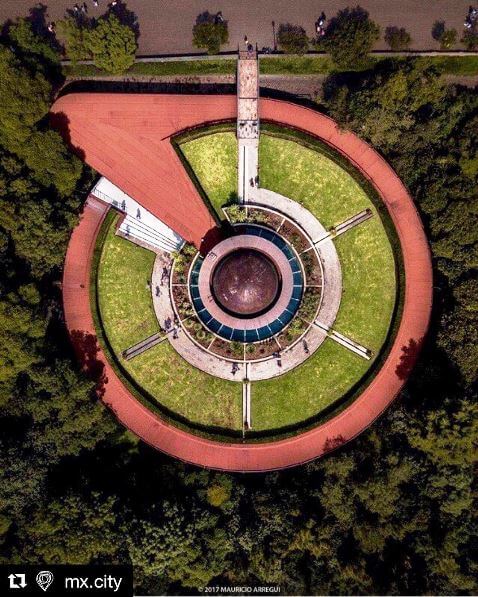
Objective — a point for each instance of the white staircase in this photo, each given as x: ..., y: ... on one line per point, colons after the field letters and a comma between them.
x: 139, y: 225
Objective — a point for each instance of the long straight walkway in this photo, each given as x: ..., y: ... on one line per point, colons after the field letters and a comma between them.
x: 165, y: 27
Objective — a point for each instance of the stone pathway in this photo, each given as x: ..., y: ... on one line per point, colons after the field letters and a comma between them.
x: 143, y: 346
x: 292, y: 356
x: 332, y: 271
x: 247, y: 122
x: 178, y: 338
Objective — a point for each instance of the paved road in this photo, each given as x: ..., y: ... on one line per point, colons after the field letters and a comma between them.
x: 165, y: 25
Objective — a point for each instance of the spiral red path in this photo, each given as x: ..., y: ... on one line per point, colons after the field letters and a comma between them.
x: 137, y: 146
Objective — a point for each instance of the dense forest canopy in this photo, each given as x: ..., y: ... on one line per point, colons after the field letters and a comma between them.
x: 392, y: 512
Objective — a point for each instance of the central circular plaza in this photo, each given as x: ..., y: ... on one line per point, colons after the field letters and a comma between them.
x: 245, y: 283
x: 249, y: 287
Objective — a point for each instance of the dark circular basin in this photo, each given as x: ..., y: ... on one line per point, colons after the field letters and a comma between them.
x: 245, y: 283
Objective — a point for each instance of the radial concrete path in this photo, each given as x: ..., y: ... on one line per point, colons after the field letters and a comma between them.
x: 352, y: 420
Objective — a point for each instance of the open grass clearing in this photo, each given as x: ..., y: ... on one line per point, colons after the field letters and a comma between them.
x: 213, y: 159
x: 332, y: 195
x: 305, y: 391
x: 128, y: 316
x: 125, y: 300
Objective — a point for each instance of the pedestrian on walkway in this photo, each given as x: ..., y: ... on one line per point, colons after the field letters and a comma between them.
x: 158, y: 290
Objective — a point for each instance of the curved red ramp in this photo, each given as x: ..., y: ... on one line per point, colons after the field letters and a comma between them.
x: 416, y: 257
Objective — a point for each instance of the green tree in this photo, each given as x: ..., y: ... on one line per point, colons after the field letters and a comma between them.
x: 210, y: 33
x: 446, y: 37
x: 292, y: 39
x: 73, y: 36
x: 350, y: 36
x: 397, y: 38
x: 76, y: 529
x: 25, y: 100
x: 470, y: 39
x: 112, y: 44
x: 21, y: 34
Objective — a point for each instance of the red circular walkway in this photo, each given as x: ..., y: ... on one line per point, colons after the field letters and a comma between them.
x: 174, y: 113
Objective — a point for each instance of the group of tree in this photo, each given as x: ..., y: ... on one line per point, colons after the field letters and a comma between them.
x: 210, y: 32
x: 110, y: 43
x: 393, y: 512
x: 110, y: 40
x: 41, y: 190
x: 348, y: 37
x: 351, y: 35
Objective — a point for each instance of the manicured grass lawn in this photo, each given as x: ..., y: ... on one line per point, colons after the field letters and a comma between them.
x: 281, y: 65
x: 369, y: 283
x: 332, y: 195
x: 158, y: 69
x: 296, y: 65
x: 323, y: 65
x: 124, y: 298
x: 192, y: 394
x: 310, y: 178
x: 214, y: 161
x: 128, y: 317
x: 305, y: 391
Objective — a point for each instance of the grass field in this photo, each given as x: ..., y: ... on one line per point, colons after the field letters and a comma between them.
x: 128, y: 317
x: 160, y: 69
x: 332, y: 195
x: 311, y: 64
x: 214, y: 161
x: 305, y: 391
x: 192, y: 394
x: 124, y: 297
x: 323, y: 65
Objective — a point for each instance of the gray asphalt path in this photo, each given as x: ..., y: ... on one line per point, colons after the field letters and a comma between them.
x: 165, y: 25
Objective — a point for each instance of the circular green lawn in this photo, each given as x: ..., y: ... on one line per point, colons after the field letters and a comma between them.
x: 332, y: 192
